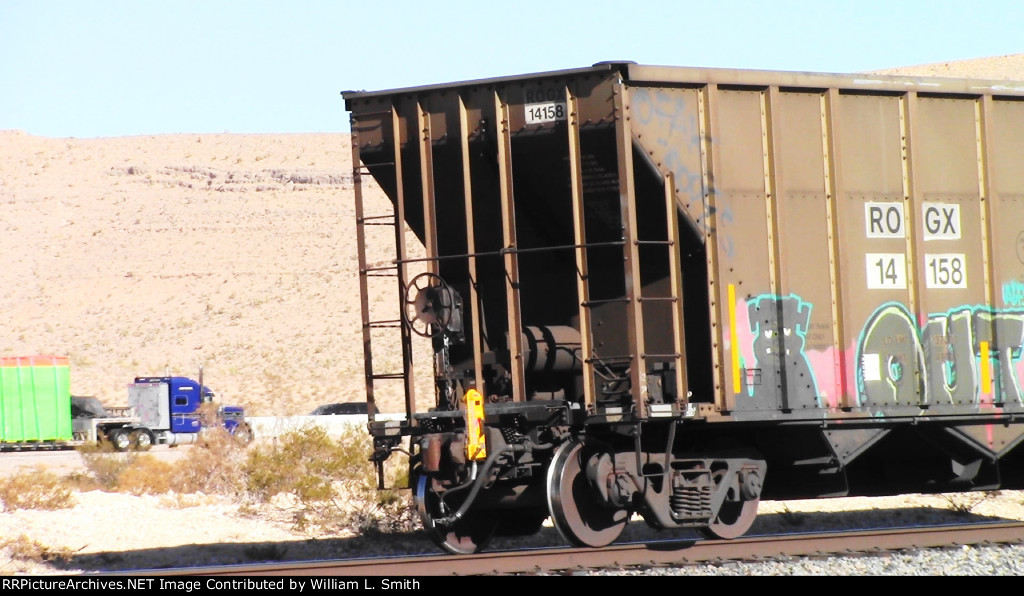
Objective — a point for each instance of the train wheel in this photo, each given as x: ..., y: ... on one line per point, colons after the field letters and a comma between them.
x: 580, y: 516
x: 734, y: 517
x: 141, y: 439
x: 470, y: 534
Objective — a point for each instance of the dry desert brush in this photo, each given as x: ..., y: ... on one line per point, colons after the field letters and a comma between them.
x: 24, y: 548
x: 214, y: 465
x: 328, y: 483
x: 323, y: 482
x: 35, y: 489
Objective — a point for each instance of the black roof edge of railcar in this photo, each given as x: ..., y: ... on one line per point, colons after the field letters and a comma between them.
x: 853, y: 82
x: 597, y: 67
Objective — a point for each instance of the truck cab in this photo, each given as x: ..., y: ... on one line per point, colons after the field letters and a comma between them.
x: 169, y: 403
x: 171, y: 411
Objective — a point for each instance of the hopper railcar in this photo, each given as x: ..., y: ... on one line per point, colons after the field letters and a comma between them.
x: 674, y: 292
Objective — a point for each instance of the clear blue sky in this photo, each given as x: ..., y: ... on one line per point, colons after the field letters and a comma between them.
x: 99, y: 68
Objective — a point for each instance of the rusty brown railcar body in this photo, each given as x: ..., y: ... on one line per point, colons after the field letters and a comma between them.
x: 677, y: 291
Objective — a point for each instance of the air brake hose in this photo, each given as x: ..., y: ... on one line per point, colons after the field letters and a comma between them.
x: 481, y: 477
x: 476, y: 483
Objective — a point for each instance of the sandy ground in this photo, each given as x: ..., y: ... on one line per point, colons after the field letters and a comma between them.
x: 111, y: 532
x: 160, y: 254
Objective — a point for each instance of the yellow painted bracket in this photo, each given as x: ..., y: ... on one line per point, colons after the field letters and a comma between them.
x: 476, y: 440
x: 734, y: 343
x: 986, y: 368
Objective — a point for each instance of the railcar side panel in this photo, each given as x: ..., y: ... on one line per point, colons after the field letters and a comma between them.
x: 857, y: 262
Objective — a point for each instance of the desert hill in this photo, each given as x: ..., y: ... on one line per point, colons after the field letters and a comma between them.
x: 1009, y: 67
x: 159, y: 254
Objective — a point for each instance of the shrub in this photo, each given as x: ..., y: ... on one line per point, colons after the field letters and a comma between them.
x: 331, y: 483
x: 35, y: 489
x: 24, y: 548
x: 326, y: 483
x: 104, y: 466
x: 964, y: 503
x: 790, y: 517
x: 146, y: 475
x: 215, y: 465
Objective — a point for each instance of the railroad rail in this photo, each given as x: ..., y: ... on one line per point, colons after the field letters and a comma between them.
x: 670, y: 553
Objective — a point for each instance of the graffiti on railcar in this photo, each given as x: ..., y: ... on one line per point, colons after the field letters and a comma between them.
x: 774, y: 361
x: 1013, y: 293
x: 967, y: 355
x: 675, y: 112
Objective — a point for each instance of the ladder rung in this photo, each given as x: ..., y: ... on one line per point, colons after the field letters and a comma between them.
x: 590, y: 303
x: 661, y: 356
x: 378, y: 217
x: 367, y: 168
x: 376, y: 269
x: 658, y: 299
x: 387, y: 376
x: 607, y: 359
x: 382, y: 324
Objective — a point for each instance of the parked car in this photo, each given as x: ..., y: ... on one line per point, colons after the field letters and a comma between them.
x: 342, y: 409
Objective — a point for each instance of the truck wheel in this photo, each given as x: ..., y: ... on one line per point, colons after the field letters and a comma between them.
x: 141, y: 439
x: 120, y: 439
x: 243, y: 433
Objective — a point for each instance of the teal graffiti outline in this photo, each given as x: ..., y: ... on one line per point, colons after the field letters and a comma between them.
x: 949, y: 375
x: 1013, y: 293
x: 801, y: 304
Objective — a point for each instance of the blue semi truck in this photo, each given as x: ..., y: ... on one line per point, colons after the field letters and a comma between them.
x: 171, y: 411
x: 162, y: 411
x: 38, y: 411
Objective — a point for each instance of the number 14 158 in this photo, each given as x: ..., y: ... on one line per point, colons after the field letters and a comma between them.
x: 888, y: 271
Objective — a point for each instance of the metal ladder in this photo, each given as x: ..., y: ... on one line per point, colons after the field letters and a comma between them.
x: 637, y: 358
x: 395, y: 270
